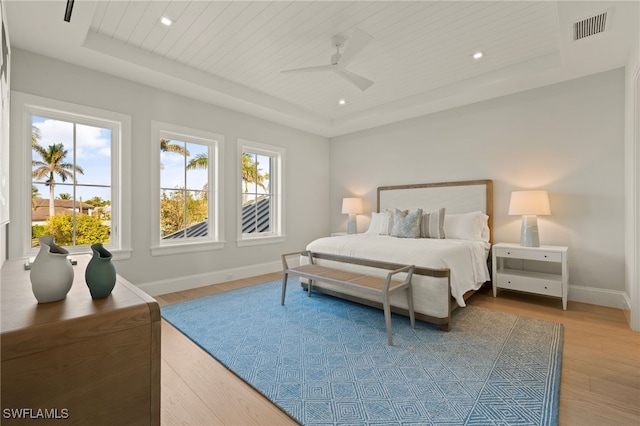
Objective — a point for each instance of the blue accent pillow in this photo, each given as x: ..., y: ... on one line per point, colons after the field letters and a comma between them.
x: 406, y: 225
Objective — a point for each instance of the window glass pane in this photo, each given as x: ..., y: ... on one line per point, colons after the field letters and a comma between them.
x: 249, y: 214
x: 184, y: 180
x: 93, y: 155
x: 172, y: 161
x: 197, y: 212
x: 197, y: 166
x: 263, y: 214
x: 263, y: 173
x: 71, y: 182
x: 172, y: 218
x: 257, y: 212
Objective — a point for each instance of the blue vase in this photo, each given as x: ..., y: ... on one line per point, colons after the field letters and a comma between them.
x: 100, y: 274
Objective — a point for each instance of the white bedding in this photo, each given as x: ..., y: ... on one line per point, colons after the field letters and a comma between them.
x: 465, y: 258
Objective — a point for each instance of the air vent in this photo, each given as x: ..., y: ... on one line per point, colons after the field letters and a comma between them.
x: 590, y: 26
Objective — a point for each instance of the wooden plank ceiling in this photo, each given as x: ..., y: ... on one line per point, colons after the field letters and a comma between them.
x: 417, y: 46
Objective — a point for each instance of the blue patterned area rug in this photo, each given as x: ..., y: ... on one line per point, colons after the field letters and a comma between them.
x: 326, y: 361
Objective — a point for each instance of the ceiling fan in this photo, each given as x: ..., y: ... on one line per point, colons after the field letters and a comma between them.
x: 358, y: 41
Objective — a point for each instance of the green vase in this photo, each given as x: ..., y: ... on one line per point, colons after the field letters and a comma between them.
x: 100, y: 274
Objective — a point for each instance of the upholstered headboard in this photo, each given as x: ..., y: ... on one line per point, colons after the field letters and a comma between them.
x: 456, y: 197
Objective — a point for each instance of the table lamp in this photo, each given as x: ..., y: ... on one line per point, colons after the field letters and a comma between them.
x: 529, y: 204
x: 352, y: 207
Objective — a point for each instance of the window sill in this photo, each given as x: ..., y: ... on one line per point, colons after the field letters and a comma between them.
x: 256, y: 241
x: 186, y: 248
x: 122, y: 254
x: 118, y: 254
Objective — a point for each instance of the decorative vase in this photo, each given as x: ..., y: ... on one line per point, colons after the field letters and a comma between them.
x: 51, y: 272
x: 100, y: 274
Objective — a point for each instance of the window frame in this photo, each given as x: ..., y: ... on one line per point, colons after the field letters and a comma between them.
x: 277, y: 180
x: 215, y: 235
x: 120, y: 125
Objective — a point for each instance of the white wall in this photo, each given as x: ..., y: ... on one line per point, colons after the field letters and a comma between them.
x: 566, y: 138
x: 306, y: 171
x: 632, y: 183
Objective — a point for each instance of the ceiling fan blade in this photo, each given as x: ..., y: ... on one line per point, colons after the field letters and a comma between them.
x: 358, y: 41
x: 310, y: 69
x: 362, y: 83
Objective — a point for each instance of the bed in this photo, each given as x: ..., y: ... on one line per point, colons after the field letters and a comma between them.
x: 450, y: 251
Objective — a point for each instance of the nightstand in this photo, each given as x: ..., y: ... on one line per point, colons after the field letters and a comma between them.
x: 541, y: 270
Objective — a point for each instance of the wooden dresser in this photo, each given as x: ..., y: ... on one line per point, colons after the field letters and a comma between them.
x: 79, y: 360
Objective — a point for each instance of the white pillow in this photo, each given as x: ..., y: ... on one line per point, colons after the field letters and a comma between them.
x: 379, y: 223
x: 467, y: 226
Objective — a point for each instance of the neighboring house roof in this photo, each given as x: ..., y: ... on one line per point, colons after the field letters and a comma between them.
x: 196, y: 230
x: 40, y: 208
x: 250, y: 221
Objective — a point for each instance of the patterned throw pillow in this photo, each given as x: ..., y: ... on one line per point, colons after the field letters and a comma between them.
x: 406, y: 225
x: 387, y: 227
x: 432, y: 224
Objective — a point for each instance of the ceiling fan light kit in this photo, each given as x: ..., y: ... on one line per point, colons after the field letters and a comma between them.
x: 358, y: 41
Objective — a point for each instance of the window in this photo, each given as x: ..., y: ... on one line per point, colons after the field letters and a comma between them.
x: 186, y: 214
x: 74, y: 189
x: 261, y: 214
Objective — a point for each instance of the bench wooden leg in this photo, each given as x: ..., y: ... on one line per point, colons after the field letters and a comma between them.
x: 412, y: 315
x: 284, y: 287
x: 387, y: 318
x: 309, y: 287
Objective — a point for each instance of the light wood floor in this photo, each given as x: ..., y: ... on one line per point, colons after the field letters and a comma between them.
x: 600, y: 382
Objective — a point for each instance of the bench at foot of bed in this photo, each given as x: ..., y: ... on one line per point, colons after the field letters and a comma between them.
x: 380, y: 287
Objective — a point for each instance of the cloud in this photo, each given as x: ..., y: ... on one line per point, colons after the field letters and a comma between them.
x: 91, y: 142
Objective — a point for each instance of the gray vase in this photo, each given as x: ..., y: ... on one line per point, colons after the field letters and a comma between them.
x: 51, y: 272
x: 100, y: 274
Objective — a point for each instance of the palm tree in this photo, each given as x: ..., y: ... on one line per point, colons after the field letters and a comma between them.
x: 64, y: 196
x: 167, y: 146
x: 198, y: 162
x: 34, y: 196
x: 35, y: 136
x: 250, y: 174
x: 53, y: 164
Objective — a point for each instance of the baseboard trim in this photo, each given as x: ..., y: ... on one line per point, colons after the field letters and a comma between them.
x: 156, y: 288
x: 598, y: 296
x: 627, y: 309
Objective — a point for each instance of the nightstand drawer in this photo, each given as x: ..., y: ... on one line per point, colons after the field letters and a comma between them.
x: 530, y: 284
x: 541, y: 255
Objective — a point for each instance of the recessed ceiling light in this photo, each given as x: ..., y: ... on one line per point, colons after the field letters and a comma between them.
x: 478, y: 55
x: 342, y: 102
x: 166, y: 21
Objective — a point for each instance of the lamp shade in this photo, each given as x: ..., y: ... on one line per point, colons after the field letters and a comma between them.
x: 351, y: 205
x: 529, y: 203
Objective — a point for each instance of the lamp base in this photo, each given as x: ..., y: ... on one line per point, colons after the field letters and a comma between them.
x: 529, y: 232
x: 352, y: 225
